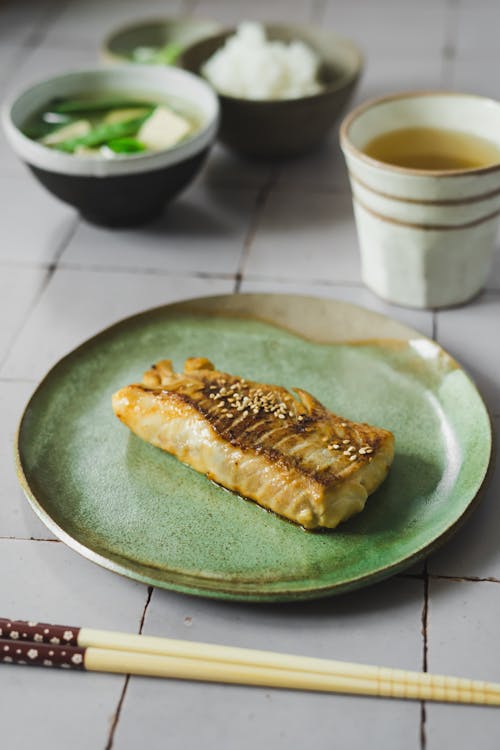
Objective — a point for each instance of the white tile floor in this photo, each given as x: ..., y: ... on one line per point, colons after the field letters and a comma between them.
x: 253, y: 227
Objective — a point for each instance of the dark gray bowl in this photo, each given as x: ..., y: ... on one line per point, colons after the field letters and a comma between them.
x: 125, y: 191
x: 282, y: 128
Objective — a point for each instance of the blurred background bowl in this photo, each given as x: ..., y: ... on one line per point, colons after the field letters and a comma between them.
x: 121, y: 45
x: 288, y: 127
x: 123, y: 191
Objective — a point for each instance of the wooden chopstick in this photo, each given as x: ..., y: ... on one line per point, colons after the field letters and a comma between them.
x: 106, y: 651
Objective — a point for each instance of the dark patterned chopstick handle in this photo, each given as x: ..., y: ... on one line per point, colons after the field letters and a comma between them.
x: 41, y: 654
x: 38, y: 632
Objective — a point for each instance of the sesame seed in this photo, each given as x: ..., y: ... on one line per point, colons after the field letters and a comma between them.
x: 336, y: 446
x: 352, y: 458
x: 346, y: 442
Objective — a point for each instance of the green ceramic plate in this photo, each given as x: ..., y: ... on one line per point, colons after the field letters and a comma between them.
x: 140, y: 512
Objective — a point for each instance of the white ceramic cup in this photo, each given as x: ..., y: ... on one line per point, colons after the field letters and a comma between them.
x: 426, y: 236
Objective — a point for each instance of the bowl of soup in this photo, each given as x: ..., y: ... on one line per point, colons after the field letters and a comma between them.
x: 117, y: 143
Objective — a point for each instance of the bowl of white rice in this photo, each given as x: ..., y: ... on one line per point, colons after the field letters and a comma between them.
x: 281, y: 87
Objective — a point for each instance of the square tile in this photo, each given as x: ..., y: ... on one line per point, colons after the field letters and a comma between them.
x: 476, y: 75
x: 19, y: 287
x: 476, y: 30
x: 463, y: 641
x: 469, y: 333
x: 78, y: 304
x: 203, y: 232
x: 45, y: 61
x: 357, y: 295
x: 48, y: 582
x: 291, y: 11
x: 85, y: 23
x: 225, y: 168
x: 308, y: 236
x: 474, y: 551
x: 17, y: 519
x: 380, y: 625
x: 493, y: 281
x: 323, y: 168
x: 412, y: 72
x: 389, y: 27
x: 19, y: 20
x: 35, y: 225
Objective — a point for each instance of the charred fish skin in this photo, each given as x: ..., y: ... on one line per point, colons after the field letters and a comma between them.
x: 287, y: 453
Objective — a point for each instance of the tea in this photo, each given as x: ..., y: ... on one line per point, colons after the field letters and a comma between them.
x: 433, y: 148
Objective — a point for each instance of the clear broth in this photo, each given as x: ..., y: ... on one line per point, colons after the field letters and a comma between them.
x: 433, y: 149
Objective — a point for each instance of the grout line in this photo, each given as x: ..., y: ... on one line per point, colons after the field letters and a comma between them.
x: 28, y: 539
x: 117, y: 714
x: 150, y: 271
x: 434, y: 334
x: 449, y: 49
x: 425, y: 626
x: 260, y: 202
x: 464, y: 579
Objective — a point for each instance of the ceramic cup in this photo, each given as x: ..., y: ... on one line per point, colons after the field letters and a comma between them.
x: 426, y: 236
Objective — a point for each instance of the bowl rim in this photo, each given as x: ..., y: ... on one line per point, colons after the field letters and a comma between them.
x: 51, y: 160
x: 114, y: 57
x: 340, y: 83
x: 349, y: 148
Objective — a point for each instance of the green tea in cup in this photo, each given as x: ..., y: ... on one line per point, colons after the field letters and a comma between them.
x: 433, y: 148
x: 424, y: 169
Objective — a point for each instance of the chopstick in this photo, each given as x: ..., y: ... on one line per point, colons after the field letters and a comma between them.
x: 106, y: 651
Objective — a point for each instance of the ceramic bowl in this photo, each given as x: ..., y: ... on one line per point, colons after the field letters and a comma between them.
x: 123, y: 191
x: 426, y: 236
x: 276, y: 129
x: 119, y: 45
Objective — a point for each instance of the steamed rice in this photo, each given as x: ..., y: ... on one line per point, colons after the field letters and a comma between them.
x: 250, y: 66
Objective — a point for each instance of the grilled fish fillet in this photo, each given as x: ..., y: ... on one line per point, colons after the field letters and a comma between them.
x: 289, y: 454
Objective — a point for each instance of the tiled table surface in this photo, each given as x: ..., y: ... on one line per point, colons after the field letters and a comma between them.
x: 241, y: 227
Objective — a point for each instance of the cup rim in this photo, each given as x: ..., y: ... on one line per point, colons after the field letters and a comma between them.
x: 38, y: 155
x: 348, y: 147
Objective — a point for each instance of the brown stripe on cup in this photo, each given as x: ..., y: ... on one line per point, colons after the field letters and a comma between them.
x: 426, y: 201
x: 425, y: 227
x: 38, y: 632
x: 41, y: 654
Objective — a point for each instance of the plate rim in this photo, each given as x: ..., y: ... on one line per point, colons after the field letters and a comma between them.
x: 243, y: 591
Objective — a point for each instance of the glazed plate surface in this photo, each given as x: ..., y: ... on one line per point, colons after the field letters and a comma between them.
x: 141, y: 513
